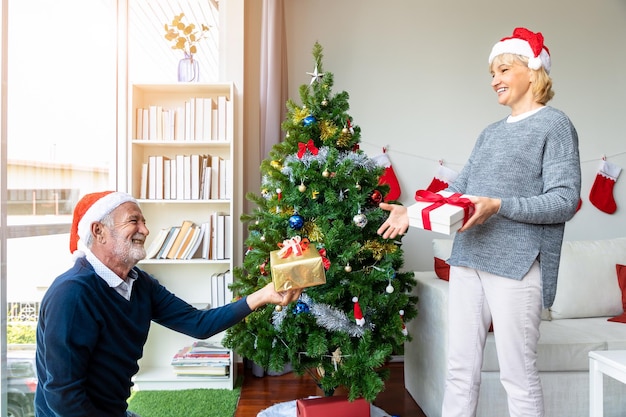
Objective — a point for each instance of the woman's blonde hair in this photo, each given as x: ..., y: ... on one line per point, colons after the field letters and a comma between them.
x: 541, y: 88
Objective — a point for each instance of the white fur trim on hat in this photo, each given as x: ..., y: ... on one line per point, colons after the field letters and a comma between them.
x: 520, y: 46
x: 99, y: 210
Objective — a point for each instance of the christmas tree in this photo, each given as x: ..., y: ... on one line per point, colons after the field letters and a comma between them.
x: 318, y: 187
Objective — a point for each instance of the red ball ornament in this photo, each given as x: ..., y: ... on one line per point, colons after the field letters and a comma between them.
x: 376, y: 197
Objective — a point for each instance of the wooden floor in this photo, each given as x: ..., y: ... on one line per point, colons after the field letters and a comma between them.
x: 260, y: 393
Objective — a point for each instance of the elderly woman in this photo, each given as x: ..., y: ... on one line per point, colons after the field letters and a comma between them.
x: 524, y: 178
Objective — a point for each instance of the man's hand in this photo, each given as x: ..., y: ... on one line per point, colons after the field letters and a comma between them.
x: 268, y: 295
x: 484, y: 207
x: 396, y: 224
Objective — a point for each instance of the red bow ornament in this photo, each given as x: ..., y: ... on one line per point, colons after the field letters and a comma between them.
x: 439, y: 200
x: 302, y: 148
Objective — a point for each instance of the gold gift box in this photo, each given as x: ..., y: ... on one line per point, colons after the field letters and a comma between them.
x: 297, y: 271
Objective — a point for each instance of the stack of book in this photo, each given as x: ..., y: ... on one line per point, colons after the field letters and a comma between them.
x: 202, y: 358
x: 197, y: 119
x: 208, y: 240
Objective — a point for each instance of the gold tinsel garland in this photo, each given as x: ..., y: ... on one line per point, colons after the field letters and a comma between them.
x: 328, y: 130
x: 299, y: 115
x: 313, y: 231
x: 379, y: 249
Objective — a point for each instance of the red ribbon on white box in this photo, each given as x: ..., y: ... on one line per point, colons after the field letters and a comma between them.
x: 438, y: 200
x: 295, y: 245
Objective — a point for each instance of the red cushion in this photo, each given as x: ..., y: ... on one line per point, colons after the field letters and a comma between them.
x: 621, y: 279
x: 442, y: 269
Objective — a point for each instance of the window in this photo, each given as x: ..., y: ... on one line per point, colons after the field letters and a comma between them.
x: 62, y: 127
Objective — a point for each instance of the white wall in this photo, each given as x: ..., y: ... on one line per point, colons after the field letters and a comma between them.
x: 418, y: 80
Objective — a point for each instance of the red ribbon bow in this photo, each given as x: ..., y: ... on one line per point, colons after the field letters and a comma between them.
x: 325, y: 260
x: 295, y: 245
x: 438, y: 200
x: 302, y: 147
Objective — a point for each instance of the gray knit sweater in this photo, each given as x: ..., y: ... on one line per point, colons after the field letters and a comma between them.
x: 533, y: 166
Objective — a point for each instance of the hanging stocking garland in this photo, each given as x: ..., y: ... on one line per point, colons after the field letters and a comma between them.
x: 601, y: 194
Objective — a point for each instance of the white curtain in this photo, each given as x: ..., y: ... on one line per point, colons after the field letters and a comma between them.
x: 273, y: 94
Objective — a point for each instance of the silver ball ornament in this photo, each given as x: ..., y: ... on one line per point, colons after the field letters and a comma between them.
x: 360, y: 220
x: 389, y: 289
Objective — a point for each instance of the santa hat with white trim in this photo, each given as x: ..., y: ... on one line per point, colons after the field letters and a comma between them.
x: 93, y: 208
x: 525, y: 43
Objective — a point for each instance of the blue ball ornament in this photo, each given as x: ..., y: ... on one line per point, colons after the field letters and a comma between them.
x: 300, y: 307
x: 309, y: 120
x: 296, y: 222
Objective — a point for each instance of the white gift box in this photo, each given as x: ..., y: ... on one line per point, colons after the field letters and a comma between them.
x: 445, y: 219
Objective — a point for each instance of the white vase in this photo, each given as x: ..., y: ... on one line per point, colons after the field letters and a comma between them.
x: 188, y: 69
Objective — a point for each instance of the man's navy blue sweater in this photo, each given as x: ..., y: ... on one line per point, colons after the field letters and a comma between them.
x: 89, y: 339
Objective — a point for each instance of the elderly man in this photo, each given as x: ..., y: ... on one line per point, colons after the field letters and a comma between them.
x: 94, y: 318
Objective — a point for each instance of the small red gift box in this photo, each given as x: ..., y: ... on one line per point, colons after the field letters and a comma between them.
x: 332, y: 406
x: 442, y: 212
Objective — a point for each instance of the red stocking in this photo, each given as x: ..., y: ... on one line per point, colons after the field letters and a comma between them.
x: 388, y: 177
x: 601, y: 194
x: 442, y: 179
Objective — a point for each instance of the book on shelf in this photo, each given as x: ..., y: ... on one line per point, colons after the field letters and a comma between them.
x: 199, y: 119
x: 207, y: 115
x: 167, y: 188
x: 167, y: 245
x: 228, y: 229
x: 174, y: 179
x: 184, y: 228
x: 143, y: 190
x: 222, y: 114
x: 191, y: 247
x: 220, y: 291
x: 219, y: 237
x: 157, y: 243
x: 215, y: 177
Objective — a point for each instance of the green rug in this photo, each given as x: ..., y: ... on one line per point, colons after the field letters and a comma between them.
x: 186, y: 403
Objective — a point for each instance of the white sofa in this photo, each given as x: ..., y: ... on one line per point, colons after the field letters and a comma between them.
x: 587, y: 294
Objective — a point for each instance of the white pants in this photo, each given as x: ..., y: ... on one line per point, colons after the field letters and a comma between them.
x: 476, y: 299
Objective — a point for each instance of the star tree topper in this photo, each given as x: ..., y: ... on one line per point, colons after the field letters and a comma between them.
x: 315, y: 76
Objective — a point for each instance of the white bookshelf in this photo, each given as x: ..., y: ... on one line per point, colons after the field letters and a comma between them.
x: 192, y: 280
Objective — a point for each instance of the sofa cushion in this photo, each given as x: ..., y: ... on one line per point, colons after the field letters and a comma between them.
x: 564, y: 345
x: 442, y: 249
x: 621, y: 280
x: 586, y: 284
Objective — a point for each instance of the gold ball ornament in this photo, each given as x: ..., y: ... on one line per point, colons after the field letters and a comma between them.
x: 325, y: 173
x: 347, y: 268
x: 357, y: 186
x: 345, y: 131
x: 278, y: 308
x: 302, y: 188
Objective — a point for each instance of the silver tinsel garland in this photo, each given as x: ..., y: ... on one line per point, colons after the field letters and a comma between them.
x: 327, y: 317
x: 357, y: 159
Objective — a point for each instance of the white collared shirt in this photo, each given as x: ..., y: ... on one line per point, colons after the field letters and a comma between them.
x: 122, y: 287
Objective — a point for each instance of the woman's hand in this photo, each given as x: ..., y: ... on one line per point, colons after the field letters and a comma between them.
x: 268, y: 295
x: 484, y: 207
x: 396, y: 224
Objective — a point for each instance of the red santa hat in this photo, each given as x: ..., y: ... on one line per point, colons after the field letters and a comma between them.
x: 358, y: 314
x: 525, y: 43
x: 93, y: 208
